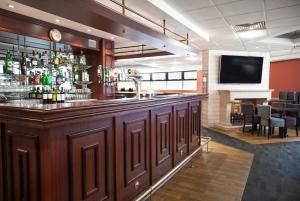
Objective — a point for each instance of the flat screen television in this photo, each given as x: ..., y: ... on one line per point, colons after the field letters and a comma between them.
x: 240, y: 69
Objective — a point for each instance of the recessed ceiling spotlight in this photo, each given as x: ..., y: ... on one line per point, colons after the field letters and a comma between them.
x: 89, y: 30
x: 112, y: 37
x: 57, y: 20
x: 11, y: 6
x: 256, y: 47
x: 175, y: 62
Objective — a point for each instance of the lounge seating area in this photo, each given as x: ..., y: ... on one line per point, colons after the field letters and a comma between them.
x: 277, y: 114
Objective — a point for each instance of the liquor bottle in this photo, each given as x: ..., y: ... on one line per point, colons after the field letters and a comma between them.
x: 106, y: 74
x: 45, y: 96
x: 30, y: 78
x: 28, y: 61
x: 59, y: 78
x: 8, y: 63
x: 75, y: 75
x: 55, y: 60
x: 44, y: 79
x: 49, y: 97
x: 45, y: 59
x: 33, y: 93
x: 34, y: 61
x: 82, y: 58
x: 30, y: 93
x: 39, y: 59
x: 37, y: 78
x: 49, y: 79
x: 63, y: 95
x: 23, y: 64
x: 58, y: 95
x: 54, y: 96
x: 38, y: 93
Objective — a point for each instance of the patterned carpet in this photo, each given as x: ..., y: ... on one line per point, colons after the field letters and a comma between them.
x: 275, y: 172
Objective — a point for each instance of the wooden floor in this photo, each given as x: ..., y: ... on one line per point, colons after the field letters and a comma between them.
x: 254, y: 139
x: 219, y: 175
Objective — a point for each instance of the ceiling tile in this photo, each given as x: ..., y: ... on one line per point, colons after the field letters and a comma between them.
x: 188, y: 5
x: 213, y: 23
x: 284, y: 22
x: 223, y: 1
x: 204, y: 14
x: 287, y: 12
x: 272, y: 4
x: 241, y: 7
x: 246, y: 18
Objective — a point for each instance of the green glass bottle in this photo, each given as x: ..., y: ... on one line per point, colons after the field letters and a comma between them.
x: 44, y: 79
x: 8, y: 63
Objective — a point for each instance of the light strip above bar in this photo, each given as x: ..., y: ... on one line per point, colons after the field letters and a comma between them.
x: 162, y: 5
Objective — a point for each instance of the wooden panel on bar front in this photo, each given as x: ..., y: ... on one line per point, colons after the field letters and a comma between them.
x: 90, y: 165
x: 1, y: 164
x: 24, y: 163
x: 194, y: 125
x: 132, y: 154
x: 162, y: 141
x: 181, y: 114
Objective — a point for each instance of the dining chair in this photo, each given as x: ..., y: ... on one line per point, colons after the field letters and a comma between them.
x: 277, y: 108
x: 249, y: 116
x: 291, y: 96
x: 298, y: 97
x: 283, y: 95
x: 266, y: 120
x: 292, y: 116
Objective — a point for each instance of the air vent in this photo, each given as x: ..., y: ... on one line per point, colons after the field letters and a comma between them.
x: 249, y: 27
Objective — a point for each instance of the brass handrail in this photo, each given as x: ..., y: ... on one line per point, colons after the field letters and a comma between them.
x: 124, y: 8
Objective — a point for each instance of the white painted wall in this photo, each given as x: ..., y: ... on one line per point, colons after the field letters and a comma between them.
x: 210, y: 59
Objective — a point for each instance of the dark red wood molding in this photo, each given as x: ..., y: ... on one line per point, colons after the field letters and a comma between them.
x: 23, y: 25
x: 93, y: 14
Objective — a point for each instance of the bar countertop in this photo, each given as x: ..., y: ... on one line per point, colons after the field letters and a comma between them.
x: 90, y: 103
x: 88, y: 108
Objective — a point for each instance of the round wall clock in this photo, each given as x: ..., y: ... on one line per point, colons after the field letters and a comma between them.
x: 55, y: 35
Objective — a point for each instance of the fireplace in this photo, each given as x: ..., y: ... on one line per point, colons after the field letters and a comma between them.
x: 236, y: 117
x: 230, y: 104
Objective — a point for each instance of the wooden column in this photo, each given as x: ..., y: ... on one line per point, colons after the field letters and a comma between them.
x: 105, y: 58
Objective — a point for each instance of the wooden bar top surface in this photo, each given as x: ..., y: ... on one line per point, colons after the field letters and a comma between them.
x: 68, y: 110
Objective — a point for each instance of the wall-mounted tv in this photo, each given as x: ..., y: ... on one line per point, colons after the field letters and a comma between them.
x: 240, y: 69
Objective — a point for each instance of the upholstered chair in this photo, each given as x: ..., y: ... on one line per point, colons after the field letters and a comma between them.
x: 277, y: 108
x: 266, y: 120
x: 249, y: 116
x: 282, y: 95
x: 291, y: 96
x: 291, y: 116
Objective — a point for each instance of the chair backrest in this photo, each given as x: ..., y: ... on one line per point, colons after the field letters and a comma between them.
x: 264, y: 111
x: 247, y: 109
x: 283, y: 95
x: 291, y: 96
x: 277, y: 104
x: 298, y: 98
x: 289, y: 105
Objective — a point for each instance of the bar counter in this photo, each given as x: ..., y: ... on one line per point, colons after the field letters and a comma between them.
x: 94, y: 150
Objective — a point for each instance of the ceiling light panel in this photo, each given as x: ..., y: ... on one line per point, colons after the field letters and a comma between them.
x: 161, y: 4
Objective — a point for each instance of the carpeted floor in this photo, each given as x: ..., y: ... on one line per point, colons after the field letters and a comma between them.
x: 275, y: 172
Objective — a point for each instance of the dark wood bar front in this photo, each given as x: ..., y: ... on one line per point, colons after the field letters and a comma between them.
x: 94, y: 150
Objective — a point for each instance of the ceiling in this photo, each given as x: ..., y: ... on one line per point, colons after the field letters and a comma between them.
x: 214, y: 16
x: 217, y: 18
